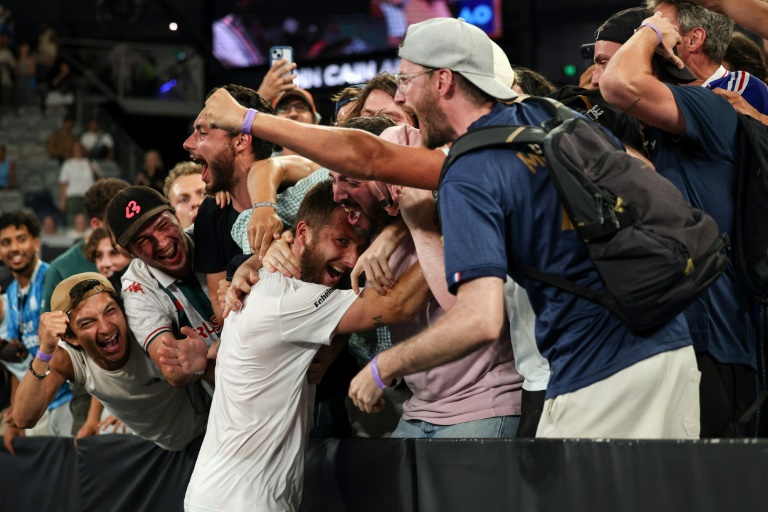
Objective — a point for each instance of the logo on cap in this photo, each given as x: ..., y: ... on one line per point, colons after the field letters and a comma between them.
x: 132, y: 209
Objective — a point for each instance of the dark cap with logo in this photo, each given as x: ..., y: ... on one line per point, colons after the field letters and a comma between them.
x: 131, y: 208
x: 623, y: 25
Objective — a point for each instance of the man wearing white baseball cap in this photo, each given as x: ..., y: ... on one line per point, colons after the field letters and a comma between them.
x: 498, y: 211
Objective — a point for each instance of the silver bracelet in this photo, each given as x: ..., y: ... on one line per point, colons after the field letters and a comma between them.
x: 264, y: 203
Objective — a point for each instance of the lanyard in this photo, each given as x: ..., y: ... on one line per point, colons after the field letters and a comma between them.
x: 21, y: 305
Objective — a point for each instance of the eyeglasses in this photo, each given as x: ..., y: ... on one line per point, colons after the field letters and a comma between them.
x: 77, y: 293
x: 300, y: 108
x: 403, y: 80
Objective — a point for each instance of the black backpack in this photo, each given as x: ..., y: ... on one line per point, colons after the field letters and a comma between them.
x: 654, y: 252
x: 750, y: 254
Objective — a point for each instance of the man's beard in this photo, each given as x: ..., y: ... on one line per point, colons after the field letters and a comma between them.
x: 222, y: 170
x: 312, y: 264
x: 435, y: 129
x: 27, y: 265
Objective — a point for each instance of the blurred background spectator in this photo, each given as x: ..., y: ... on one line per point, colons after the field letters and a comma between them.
x: 153, y: 174
x: 26, y: 76
x: 7, y: 170
x: 7, y: 69
x: 62, y: 142
x: 98, y: 144
x: 76, y: 176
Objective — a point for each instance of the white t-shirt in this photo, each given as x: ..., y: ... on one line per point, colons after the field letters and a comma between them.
x: 529, y: 362
x: 252, y: 457
x: 89, y: 139
x: 78, y: 173
x: 139, y: 396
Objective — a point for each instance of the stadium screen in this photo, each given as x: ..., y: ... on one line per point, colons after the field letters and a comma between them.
x: 244, y: 30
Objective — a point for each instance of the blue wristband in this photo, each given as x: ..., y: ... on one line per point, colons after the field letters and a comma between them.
x: 376, y: 374
x: 248, y: 121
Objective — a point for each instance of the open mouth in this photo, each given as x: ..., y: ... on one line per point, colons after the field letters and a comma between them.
x: 353, y: 213
x: 109, y: 346
x: 169, y: 254
x: 204, y: 164
x: 336, y: 270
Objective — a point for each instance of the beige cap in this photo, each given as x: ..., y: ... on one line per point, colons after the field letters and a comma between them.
x: 92, y: 282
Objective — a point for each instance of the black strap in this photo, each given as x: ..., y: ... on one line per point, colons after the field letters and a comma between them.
x: 517, y: 136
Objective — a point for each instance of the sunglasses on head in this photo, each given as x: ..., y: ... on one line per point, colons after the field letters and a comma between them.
x: 78, y: 291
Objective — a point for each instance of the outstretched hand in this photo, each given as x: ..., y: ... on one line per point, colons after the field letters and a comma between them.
x: 188, y: 356
x: 275, y: 83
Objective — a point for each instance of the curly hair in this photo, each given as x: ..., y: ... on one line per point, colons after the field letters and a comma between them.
x: 20, y: 218
x: 100, y: 194
x: 179, y: 170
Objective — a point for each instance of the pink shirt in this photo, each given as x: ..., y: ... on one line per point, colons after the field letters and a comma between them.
x: 483, y: 384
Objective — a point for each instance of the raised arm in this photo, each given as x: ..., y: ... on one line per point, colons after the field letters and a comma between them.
x: 629, y: 82
x: 34, y: 394
x: 264, y: 179
x: 418, y: 210
x: 372, y: 310
x: 475, y: 319
x: 750, y: 14
x: 354, y: 153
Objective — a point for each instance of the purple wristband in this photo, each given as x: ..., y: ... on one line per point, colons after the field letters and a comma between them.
x: 654, y: 28
x: 248, y: 120
x: 375, y: 371
x: 43, y: 357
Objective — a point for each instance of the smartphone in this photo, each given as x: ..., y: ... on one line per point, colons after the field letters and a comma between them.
x: 281, y: 52
x: 588, y: 54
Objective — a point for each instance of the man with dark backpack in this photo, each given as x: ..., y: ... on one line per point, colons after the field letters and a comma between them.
x: 500, y: 211
x: 692, y: 136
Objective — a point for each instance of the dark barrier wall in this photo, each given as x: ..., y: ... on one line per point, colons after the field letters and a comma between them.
x: 111, y: 473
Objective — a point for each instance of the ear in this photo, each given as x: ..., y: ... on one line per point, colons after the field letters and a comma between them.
x: 95, y: 223
x: 445, y: 82
x: 242, y: 142
x: 303, y: 233
x: 71, y: 340
x: 694, y: 40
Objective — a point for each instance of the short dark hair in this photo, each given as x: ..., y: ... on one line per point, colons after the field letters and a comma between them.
x: 532, y: 82
x: 249, y: 98
x: 473, y: 93
x: 374, y: 124
x: 317, y: 207
x: 98, y: 196
x: 20, y: 218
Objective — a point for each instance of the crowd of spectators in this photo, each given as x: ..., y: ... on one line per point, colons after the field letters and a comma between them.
x: 292, y: 279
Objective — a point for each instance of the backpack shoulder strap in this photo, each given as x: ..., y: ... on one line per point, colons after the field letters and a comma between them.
x: 515, y: 136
